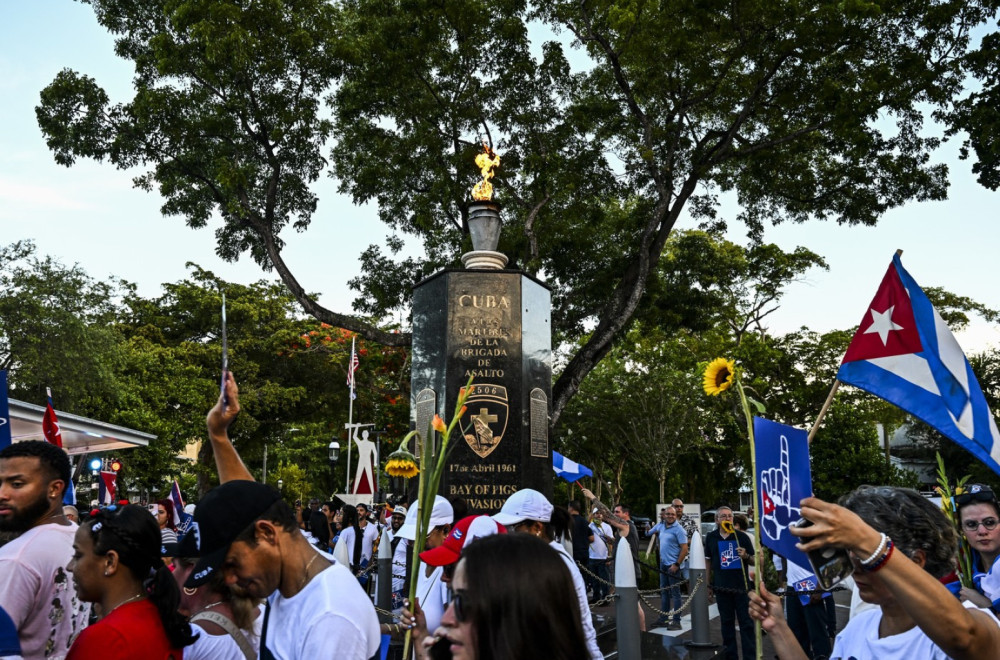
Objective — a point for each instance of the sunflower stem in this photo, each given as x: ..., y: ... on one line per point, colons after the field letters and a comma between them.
x: 753, y: 470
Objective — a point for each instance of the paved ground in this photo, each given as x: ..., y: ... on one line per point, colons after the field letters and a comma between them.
x: 660, y: 643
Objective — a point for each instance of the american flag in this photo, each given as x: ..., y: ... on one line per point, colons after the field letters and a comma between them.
x: 351, y: 368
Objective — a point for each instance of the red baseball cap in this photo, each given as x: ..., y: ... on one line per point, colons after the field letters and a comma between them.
x: 462, y: 533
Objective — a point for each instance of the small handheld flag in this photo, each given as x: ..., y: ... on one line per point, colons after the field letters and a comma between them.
x: 182, y: 520
x: 5, y: 438
x: 50, y: 423
x: 225, y: 355
x: 569, y: 470
x: 903, y: 352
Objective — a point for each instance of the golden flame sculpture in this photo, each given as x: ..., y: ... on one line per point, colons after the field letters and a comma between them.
x: 487, y: 162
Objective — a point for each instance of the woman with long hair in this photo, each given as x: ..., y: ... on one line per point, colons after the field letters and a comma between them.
x: 229, y: 621
x: 902, y: 545
x: 979, y: 514
x: 116, y: 563
x: 352, y: 537
x: 163, y: 510
x: 527, y: 511
x: 513, y: 600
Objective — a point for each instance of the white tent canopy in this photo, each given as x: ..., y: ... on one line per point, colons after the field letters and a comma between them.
x: 80, y: 435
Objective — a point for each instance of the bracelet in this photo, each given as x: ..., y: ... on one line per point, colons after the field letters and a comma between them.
x: 878, y: 551
x: 883, y: 560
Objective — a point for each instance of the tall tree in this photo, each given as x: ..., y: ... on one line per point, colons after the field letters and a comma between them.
x: 805, y: 110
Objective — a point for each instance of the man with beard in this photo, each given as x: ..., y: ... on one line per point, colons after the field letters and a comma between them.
x: 35, y: 588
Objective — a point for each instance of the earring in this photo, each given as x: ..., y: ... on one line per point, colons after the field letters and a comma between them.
x: 188, y: 591
x: 107, y: 573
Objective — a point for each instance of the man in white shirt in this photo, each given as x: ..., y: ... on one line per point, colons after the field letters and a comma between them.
x: 599, y: 555
x: 315, y: 607
x: 35, y: 589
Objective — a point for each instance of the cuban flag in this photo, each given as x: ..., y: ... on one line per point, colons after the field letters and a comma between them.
x: 569, y: 470
x: 5, y: 438
x: 351, y: 368
x: 904, y: 353
x: 182, y: 521
x: 50, y: 423
x: 108, y: 487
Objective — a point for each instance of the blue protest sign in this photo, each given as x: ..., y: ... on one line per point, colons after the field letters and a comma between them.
x: 784, y: 479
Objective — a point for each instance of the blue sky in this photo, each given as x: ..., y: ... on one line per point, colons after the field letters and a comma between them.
x: 90, y: 214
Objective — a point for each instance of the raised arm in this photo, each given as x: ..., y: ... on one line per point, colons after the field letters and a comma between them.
x: 227, y: 460
x: 605, y: 512
x: 961, y: 633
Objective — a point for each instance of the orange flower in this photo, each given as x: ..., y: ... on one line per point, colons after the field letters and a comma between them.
x: 462, y: 411
x: 438, y: 424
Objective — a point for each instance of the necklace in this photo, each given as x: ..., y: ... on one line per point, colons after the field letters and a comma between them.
x: 208, y: 607
x: 127, y: 600
x: 305, y: 575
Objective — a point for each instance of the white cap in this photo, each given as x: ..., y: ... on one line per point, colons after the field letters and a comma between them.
x: 399, y: 510
x: 526, y: 504
x: 442, y: 514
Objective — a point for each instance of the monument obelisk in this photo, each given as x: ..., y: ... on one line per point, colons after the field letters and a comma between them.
x: 493, y: 324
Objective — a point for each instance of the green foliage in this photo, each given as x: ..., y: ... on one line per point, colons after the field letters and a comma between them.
x: 153, y: 365
x: 846, y: 454
x: 805, y: 110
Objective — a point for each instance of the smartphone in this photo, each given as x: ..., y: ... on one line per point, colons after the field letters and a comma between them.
x: 830, y: 565
x: 441, y: 650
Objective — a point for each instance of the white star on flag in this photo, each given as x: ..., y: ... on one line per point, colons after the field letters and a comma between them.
x: 883, y: 324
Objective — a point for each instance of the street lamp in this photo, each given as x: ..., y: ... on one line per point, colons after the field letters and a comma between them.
x: 281, y: 482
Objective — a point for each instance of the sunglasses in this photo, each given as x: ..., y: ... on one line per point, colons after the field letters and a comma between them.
x: 461, y: 607
x: 972, y: 525
x: 976, y: 493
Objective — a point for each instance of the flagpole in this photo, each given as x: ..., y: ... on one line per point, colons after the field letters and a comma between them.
x: 350, y: 417
x: 822, y: 411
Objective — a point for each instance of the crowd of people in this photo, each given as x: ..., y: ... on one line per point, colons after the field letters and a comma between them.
x: 254, y: 576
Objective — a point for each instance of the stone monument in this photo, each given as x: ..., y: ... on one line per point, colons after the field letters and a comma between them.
x: 493, y: 324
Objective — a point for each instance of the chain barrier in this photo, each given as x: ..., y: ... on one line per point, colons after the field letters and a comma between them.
x: 781, y: 593
x: 584, y: 569
x: 686, y: 603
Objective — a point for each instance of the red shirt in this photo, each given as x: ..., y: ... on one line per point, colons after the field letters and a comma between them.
x: 131, y: 632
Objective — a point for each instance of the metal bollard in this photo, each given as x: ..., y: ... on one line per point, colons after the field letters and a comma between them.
x: 383, y: 597
x: 699, y: 603
x: 627, y: 604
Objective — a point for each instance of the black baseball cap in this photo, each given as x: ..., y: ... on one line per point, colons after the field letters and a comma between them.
x: 220, y: 517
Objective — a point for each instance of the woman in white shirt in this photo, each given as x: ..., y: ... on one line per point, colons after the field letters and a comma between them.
x: 901, y: 545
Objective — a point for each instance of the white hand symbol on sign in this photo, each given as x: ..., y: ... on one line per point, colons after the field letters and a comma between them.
x: 777, y: 511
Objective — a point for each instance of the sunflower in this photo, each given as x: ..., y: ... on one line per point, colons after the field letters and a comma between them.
x: 726, y: 526
x: 719, y: 376
x: 401, y: 463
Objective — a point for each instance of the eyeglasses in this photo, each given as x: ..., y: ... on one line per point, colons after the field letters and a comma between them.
x: 458, y: 602
x: 972, y: 525
x: 976, y: 492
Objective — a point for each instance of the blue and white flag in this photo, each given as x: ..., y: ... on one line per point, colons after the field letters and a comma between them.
x: 783, y: 479
x: 69, y: 495
x: 569, y: 470
x: 5, y: 439
x: 904, y: 353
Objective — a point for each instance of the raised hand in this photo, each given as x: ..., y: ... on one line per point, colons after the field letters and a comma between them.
x: 775, y: 487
